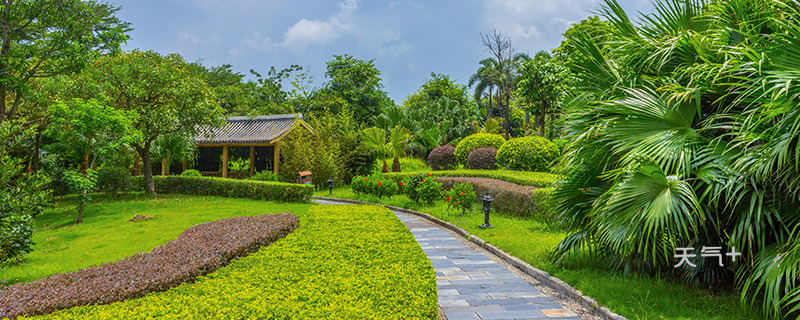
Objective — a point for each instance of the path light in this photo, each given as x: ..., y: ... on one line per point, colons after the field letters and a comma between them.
x: 330, y: 186
x: 487, y: 206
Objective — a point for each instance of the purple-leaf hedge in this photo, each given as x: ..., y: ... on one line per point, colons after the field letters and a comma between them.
x: 508, y: 197
x: 199, y: 250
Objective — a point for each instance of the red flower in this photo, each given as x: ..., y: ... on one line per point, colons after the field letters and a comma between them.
x: 429, y: 174
x: 379, y: 183
x: 448, y: 198
x: 462, y: 193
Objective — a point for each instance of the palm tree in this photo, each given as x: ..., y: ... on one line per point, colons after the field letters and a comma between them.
x: 173, y: 147
x: 376, y: 139
x: 684, y: 134
x: 485, y: 83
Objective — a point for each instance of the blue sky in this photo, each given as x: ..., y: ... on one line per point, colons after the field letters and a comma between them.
x: 408, y: 39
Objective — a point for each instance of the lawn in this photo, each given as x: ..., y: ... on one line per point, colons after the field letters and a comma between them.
x: 106, y: 235
x: 343, y: 262
x: 632, y: 296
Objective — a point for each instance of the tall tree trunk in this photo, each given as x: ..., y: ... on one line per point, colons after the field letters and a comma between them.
x: 507, y: 117
x: 543, y: 116
x: 489, y: 110
x: 147, y: 168
x: 36, y: 145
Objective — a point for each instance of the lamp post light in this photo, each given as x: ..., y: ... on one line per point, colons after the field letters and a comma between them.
x: 330, y: 186
x: 487, y: 206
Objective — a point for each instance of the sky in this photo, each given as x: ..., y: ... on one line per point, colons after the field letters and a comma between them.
x: 408, y: 39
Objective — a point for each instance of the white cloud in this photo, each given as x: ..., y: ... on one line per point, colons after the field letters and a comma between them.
x: 306, y: 32
x: 535, y: 25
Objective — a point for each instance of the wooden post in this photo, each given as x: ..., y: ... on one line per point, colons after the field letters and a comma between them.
x: 252, y: 160
x: 224, y: 161
x: 276, y: 156
x: 164, y: 169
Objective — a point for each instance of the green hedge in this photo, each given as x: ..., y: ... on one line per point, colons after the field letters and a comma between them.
x: 475, y: 141
x: 527, y: 153
x: 344, y: 262
x: 232, y: 188
x: 525, y: 178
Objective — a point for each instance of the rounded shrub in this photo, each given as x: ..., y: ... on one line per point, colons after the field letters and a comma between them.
x: 475, y: 141
x: 191, y: 173
x: 527, y: 153
x: 442, y: 158
x: 482, y: 159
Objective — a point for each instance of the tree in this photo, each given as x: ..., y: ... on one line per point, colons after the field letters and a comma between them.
x: 542, y: 86
x: 92, y: 128
x: 173, y: 147
x: 358, y: 82
x: 438, y: 87
x: 392, y: 146
x: 159, y: 93
x: 503, y: 71
x: 485, y: 84
x: 44, y: 38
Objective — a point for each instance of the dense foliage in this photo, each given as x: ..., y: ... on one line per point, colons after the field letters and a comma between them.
x: 22, y: 195
x: 442, y: 158
x: 200, y: 250
x: 384, y: 275
x: 482, y: 159
x: 475, y: 141
x: 534, y: 179
x: 685, y: 134
x: 527, y: 153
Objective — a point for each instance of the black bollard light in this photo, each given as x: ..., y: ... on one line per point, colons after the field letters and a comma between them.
x: 330, y: 186
x: 487, y: 206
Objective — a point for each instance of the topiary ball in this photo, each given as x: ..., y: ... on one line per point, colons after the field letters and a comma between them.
x: 527, y: 153
x: 475, y: 141
x: 482, y: 159
x: 442, y: 158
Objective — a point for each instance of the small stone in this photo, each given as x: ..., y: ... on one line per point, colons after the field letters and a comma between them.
x: 140, y: 217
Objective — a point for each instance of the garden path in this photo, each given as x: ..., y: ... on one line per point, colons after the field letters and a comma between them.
x: 473, y: 286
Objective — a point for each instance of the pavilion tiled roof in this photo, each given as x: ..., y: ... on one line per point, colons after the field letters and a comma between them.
x: 245, y: 130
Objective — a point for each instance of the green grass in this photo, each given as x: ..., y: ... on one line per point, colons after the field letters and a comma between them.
x: 632, y: 296
x: 343, y: 262
x: 106, y: 235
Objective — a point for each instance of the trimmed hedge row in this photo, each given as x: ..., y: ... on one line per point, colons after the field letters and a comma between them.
x: 346, y: 262
x: 508, y: 197
x: 232, y: 188
x: 199, y: 250
x: 524, y: 178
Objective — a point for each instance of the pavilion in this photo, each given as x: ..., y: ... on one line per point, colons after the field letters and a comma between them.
x: 257, y: 137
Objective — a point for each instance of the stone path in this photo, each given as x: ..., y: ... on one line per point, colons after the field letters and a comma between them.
x: 473, y: 286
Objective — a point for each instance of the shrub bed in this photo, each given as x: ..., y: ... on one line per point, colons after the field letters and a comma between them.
x: 346, y: 262
x: 525, y: 178
x: 475, y: 141
x: 508, y: 197
x: 232, y: 188
x: 527, y: 153
x: 482, y: 159
x: 197, y: 251
x: 442, y: 158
